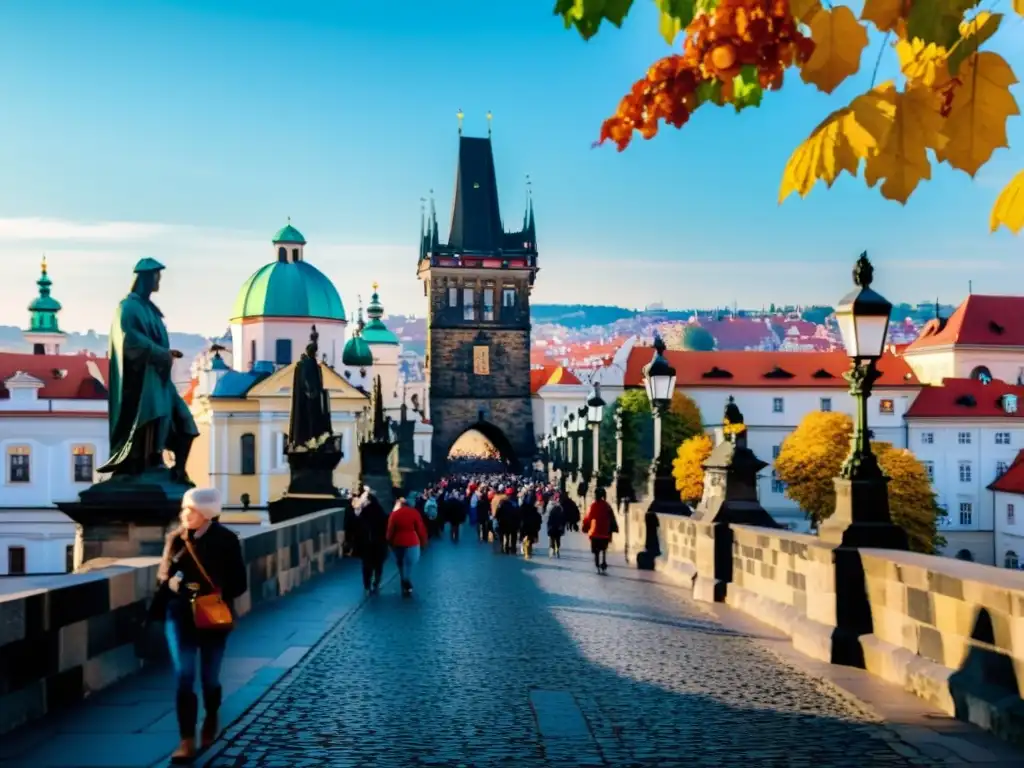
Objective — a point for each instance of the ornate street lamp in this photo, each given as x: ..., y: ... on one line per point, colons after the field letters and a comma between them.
x: 623, y: 476
x: 861, y: 516
x: 582, y: 428
x: 660, y: 383
x: 595, y: 414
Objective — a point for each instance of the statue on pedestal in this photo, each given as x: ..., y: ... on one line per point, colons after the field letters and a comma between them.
x: 310, y: 420
x: 147, y: 415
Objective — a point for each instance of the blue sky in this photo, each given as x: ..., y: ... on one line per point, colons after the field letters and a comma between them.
x: 190, y: 130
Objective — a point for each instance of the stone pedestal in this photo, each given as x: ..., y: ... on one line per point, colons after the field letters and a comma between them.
x: 376, y: 472
x: 124, y: 517
x: 311, y: 488
x: 665, y: 498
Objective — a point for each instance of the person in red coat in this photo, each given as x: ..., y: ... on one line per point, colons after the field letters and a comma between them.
x: 600, y: 524
x: 406, y: 535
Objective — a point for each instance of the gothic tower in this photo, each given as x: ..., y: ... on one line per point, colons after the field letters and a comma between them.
x: 478, y: 287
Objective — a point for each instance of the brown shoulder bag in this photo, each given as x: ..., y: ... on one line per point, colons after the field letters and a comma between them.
x: 209, y: 611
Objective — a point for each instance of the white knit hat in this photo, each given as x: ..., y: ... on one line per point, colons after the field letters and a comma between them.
x: 205, y: 501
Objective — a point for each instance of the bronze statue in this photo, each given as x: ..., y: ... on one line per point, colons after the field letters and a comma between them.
x: 311, y: 408
x: 146, y: 414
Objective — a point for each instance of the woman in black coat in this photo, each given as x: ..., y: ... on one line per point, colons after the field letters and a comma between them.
x: 200, y: 558
x: 372, y: 537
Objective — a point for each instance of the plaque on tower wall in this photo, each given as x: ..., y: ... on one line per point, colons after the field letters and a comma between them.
x: 481, y: 361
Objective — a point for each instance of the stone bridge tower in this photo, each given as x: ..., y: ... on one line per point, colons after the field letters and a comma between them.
x: 478, y: 287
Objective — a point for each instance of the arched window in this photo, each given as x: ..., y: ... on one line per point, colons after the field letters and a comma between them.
x: 965, y: 554
x: 252, y: 353
x: 295, y: 254
x: 1010, y: 559
x: 248, y: 445
x: 982, y: 374
x: 282, y: 254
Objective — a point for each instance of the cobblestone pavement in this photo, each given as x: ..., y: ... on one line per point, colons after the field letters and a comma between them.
x: 496, y: 661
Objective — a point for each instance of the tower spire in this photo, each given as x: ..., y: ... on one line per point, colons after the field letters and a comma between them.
x: 44, y: 331
x: 460, y: 115
x: 434, y: 241
x: 423, y: 228
x: 490, y: 120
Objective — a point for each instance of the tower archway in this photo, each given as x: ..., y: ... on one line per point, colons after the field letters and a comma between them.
x: 482, y: 446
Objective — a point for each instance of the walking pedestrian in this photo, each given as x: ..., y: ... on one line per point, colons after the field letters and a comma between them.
x: 556, y: 526
x: 372, y: 532
x: 600, y: 524
x: 200, y: 575
x: 530, y: 522
x: 407, y: 536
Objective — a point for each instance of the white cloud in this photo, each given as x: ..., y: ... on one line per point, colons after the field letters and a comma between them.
x: 50, y: 230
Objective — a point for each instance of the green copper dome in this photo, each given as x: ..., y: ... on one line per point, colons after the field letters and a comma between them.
x: 375, y: 332
x: 289, y: 234
x: 356, y: 353
x: 44, y: 307
x: 288, y: 289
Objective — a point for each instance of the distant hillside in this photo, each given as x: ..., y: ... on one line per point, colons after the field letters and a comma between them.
x: 12, y: 340
x: 578, y: 315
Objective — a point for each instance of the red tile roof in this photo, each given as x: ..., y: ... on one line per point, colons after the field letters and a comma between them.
x: 969, y: 398
x: 77, y: 384
x: 738, y: 333
x: 980, y: 320
x: 551, y: 374
x: 765, y: 369
x: 1012, y: 480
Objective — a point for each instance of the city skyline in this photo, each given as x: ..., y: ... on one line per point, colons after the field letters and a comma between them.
x: 199, y: 131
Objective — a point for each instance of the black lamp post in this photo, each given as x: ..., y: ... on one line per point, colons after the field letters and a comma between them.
x: 623, y: 476
x: 861, y: 517
x: 660, y: 383
x: 582, y: 429
x: 595, y: 414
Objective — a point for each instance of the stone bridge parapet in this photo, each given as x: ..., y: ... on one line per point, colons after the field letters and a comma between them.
x: 65, y: 637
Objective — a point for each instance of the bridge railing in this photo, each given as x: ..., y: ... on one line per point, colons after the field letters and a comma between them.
x: 65, y: 637
x: 949, y: 631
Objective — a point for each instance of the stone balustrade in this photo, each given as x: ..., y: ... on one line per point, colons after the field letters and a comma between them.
x: 949, y: 631
x: 64, y: 637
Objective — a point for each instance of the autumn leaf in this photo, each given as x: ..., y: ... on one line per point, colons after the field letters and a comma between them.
x: 1018, y: 6
x: 976, y: 125
x: 674, y: 17
x: 923, y: 63
x: 805, y: 10
x: 1009, y: 208
x: 688, y: 467
x: 837, y: 145
x: 884, y: 14
x: 904, y: 124
x: 744, y: 90
x: 587, y: 15
x: 973, y: 34
x: 839, y: 41
x: 937, y: 21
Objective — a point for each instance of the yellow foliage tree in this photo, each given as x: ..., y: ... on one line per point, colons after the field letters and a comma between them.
x: 812, y: 455
x: 951, y: 107
x: 688, y: 467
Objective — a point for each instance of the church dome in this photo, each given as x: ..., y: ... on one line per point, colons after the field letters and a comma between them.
x: 375, y: 332
x: 288, y: 289
x: 289, y: 234
x: 357, y: 353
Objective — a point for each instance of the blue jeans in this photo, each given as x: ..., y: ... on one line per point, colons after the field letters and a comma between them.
x: 406, y: 558
x: 185, y: 644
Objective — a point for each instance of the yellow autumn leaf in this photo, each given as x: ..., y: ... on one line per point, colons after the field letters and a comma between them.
x: 1018, y: 6
x: 976, y: 125
x: 924, y: 64
x: 1009, y: 208
x: 839, y: 41
x: 805, y: 10
x: 838, y: 144
x: 973, y: 34
x: 884, y: 14
x: 904, y: 124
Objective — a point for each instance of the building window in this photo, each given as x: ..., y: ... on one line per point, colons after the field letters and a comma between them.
x: 1011, y: 516
x: 1002, y: 438
x: 282, y: 254
x: 69, y: 558
x: 887, y: 405
x: 963, y: 438
x: 283, y: 352
x: 453, y: 297
x: 777, y: 485
x: 82, y: 456
x: 1010, y: 560
x: 965, y: 471
x: 966, y: 512
x: 15, y: 561
x: 929, y: 468
x: 252, y: 353
x: 468, y: 310
x: 248, y: 446
x: 1001, y: 467
x: 777, y: 405
x: 927, y: 438
x: 825, y: 405
x: 965, y: 554
x: 488, y: 304
x: 508, y: 297
x: 776, y: 450
x: 18, y: 460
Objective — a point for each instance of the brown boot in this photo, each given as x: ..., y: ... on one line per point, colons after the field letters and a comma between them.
x: 187, y: 706
x: 211, y: 721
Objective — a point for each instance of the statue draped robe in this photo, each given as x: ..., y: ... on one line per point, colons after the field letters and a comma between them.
x: 146, y: 414
x: 311, y: 413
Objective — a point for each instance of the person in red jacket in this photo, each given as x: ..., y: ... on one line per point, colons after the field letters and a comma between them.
x: 600, y: 524
x: 406, y: 535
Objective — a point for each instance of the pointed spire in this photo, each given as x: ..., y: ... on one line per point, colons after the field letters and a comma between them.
x: 490, y: 121
x: 379, y: 424
x: 434, y: 242
x: 460, y: 115
x: 360, y: 324
x: 423, y: 228
x: 44, y: 307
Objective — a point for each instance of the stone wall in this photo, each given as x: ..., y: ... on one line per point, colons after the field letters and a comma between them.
x: 949, y: 631
x: 64, y: 637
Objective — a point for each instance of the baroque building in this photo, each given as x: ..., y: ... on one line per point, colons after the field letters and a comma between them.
x: 478, y: 286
